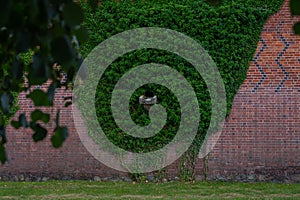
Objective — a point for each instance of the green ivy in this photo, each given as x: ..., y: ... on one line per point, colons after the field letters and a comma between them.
x: 229, y: 33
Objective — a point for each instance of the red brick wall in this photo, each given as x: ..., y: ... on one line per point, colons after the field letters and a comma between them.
x: 260, y: 139
x: 262, y: 134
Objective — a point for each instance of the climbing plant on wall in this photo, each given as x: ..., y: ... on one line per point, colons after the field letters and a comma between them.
x: 229, y: 32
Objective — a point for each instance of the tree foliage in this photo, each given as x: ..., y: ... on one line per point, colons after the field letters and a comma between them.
x: 295, y: 11
x: 40, y: 40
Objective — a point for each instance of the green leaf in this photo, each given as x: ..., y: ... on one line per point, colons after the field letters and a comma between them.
x: 68, y: 101
x: 45, y: 11
x: 67, y: 104
x: 297, y: 28
x: 38, y: 71
x: 3, y: 140
x: 73, y: 14
x: 2, y: 120
x: 39, y: 98
x: 3, y: 157
x: 295, y: 7
x: 62, y: 51
x: 39, y: 115
x: 21, y: 123
x: 5, y: 10
x: 4, y: 102
x: 15, y: 124
x: 59, y: 136
x: 40, y: 132
x: 81, y: 35
x: 2, y: 135
x: 23, y: 41
x: 17, y: 69
x: 57, y: 118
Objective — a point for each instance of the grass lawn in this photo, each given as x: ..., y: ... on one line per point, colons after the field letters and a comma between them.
x: 122, y: 190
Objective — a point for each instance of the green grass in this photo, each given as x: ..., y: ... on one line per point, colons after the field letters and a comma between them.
x: 122, y: 190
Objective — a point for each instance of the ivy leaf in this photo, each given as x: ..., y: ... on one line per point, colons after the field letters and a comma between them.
x: 40, y: 132
x: 73, y: 14
x: 297, y: 28
x: 39, y: 115
x: 39, y: 98
x: 59, y: 136
x: 295, y: 7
